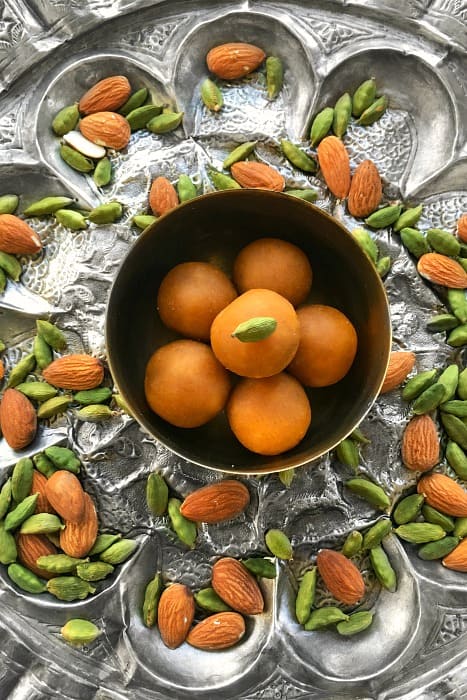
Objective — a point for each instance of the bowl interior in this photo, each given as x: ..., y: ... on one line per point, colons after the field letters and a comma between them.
x: 213, y: 228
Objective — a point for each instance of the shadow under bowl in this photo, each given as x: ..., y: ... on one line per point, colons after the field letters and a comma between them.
x: 214, y: 228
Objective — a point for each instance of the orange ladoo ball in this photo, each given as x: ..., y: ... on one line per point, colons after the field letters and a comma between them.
x: 328, y: 344
x: 269, y: 415
x: 185, y: 384
x: 270, y: 263
x: 190, y: 297
x: 262, y: 358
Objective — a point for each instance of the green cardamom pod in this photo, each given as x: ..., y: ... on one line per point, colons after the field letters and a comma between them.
x: 239, y: 153
x: 157, y: 494
x: 80, y: 632
x: 102, y: 175
x: 152, y: 593
x: 138, y: 118
x: 342, y: 114
x: 462, y: 385
x: 211, y: 95
x: 430, y: 399
x: 449, y: 379
x: 457, y: 460
x: 90, y: 396
x: 286, y: 477
x: 10, y: 265
x: 222, y: 181
x: 363, y: 97
x: 8, y: 203
x: 442, y: 322
x: 69, y: 588
x: 358, y: 436
x: 25, y: 579
x: 164, y: 123
x: 307, y: 195
x: 382, y: 218
x: 75, y: 159
x: 121, y: 403
x: 21, y: 479
x: 297, y: 157
x: 458, y: 337
x: 460, y: 528
x: 52, y: 335
x: 455, y: 429
x: 42, y: 352
x: 44, y: 465
x: 443, y: 242
x: 324, y: 617
x: 8, y: 553
x: 374, y: 112
x: 19, y: 373
x: 408, y: 218
x: 408, y: 509
x: 458, y: 303
x: 63, y: 458
x: 375, y: 535
x: 439, y: 549
x: 53, y: 407
x: 357, y: 622
x: 59, y: 563
x: 118, y: 552
x: 419, y: 533
x: 456, y: 407
x: 22, y: 511
x: 41, y: 524
x: 366, y: 243
x: 94, y: 413
x: 47, y: 205
x: 279, y: 544
x: 186, y: 189
x: 434, y: 517
x: 3, y: 281
x: 353, y: 544
x: 417, y: 384
x: 65, y: 120
x: 71, y: 219
x: 371, y: 492
x: 37, y: 391
x: 306, y: 596
x: 415, y: 242
x: 94, y: 570
x: 207, y: 599
x: 106, y: 213
x: 135, y: 100
x: 184, y: 529
x: 383, y: 266
x: 274, y: 76
x: 103, y: 542
x: 260, y: 567
x: 321, y: 125
x: 5, y: 498
x: 382, y: 566
x: 142, y: 221
x: 255, y: 329
x: 347, y: 453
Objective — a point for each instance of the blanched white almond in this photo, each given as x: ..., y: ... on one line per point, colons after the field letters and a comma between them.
x: 76, y: 140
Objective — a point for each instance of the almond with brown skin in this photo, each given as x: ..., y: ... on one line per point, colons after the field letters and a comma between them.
x: 366, y: 190
x: 18, y: 419
x: 237, y: 587
x: 335, y: 165
x: 175, y: 614
x: 216, y: 502
x: 30, y: 548
x: 457, y: 559
x: 107, y: 129
x: 462, y: 228
x: 65, y: 494
x: 108, y: 94
x: 400, y: 364
x: 75, y: 372
x: 420, y: 444
x: 219, y: 631
x: 442, y: 270
x: 39, y: 483
x: 162, y: 196
x: 444, y: 494
x: 234, y: 60
x: 17, y: 237
x: 340, y: 576
x: 253, y: 175
x: 78, y: 538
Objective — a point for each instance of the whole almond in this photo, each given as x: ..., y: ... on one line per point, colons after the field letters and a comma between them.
x: 216, y: 502
x: 106, y: 129
x: 420, y: 444
x: 108, y: 94
x: 254, y: 175
x: 65, y: 494
x: 335, y: 165
x: 234, y: 60
x: 400, y: 364
x: 340, y: 576
x: 78, y: 538
x: 219, y: 631
x: 237, y: 587
x: 39, y: 483
x: 18, y: 419
x: 457, y: 559
x: 462, y: 228
x: 442, y: 270
x: 444, y: 494
x: 30, y: 548
x: 74, y: 372
x: 17, y: 237
x: 365, y: 191
x: 162, y: 196
x: 175, y: 614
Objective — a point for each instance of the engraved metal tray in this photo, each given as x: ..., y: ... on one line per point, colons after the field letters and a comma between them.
x: 50, y: 51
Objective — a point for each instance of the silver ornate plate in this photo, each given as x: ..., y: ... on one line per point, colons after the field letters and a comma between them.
x: 50, y: 51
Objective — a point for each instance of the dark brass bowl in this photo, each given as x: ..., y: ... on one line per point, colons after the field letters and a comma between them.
x: 214, y: 228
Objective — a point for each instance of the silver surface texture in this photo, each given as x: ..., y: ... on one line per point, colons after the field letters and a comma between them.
x: 50, y: 52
